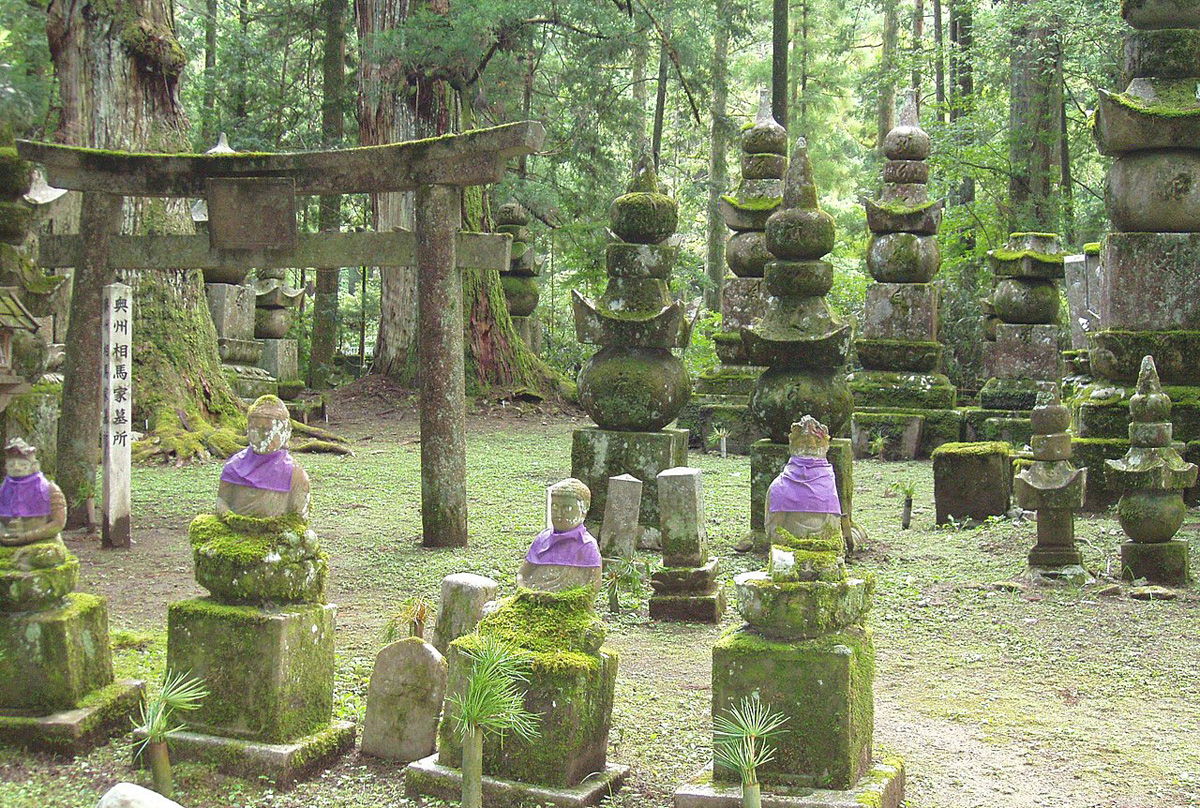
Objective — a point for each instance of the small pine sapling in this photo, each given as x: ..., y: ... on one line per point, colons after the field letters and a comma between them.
x: 179, y: 694
x: 741, y: 743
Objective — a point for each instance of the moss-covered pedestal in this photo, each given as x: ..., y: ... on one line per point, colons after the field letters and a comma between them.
x: 901, y: 393
x: 768, y: 458
x: 263, y: 644
x: 572, y: 679
x: 807, y: 654
x: 1152, y: 477
x: 56, y: 679
x: 972, y: 480
x: 520, y: 280
x: 633, y: 387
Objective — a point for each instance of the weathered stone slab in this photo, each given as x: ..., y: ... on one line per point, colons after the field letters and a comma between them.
x: 106, y: 713
x: 1125, y: 122
x: 681, y: 517
x: 901, y: 431
x: 1083, y: 296
x: 232, y: 309
x: 743, y: 300
x: 428, y: 778
x: 1024, y: 352
x: 1151, y: 14
x: 902, y: 311
x: 622, y: 508
x: 1163, y: 563
x: 461, y: 608
x: 972, y: 480
x: 404, y: 701
x: 1152, y: 281
x: 597, y: 454
x: 1155, y: 191
x: 280, y: 358
x: 881, y: 787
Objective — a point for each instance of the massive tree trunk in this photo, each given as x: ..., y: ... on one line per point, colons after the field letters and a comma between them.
x: 119, y: 67
x: 779, y: 61
x: 1035, y: 104
x: 962, y: 69
x: 717, y: 173
x: 660, y: 97
x: 887, y: 73
x: 641, y: 55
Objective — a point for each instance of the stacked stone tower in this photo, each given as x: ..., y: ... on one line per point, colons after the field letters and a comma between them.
x: 1151, y: 478
x: 520, y: 280
x: 275, y: 303
x: 901, y: 392
x: 634, y: 386
x: 1150, y: 289
x: 803, y: 343
x: 724, y: 394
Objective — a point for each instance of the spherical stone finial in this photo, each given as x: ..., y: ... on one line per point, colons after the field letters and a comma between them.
x: 512, y: 212
x: 1149, y: 404
x: 800, y: 230
x: 644, y: 214
x: 767, y: 135
x: 907, y: 141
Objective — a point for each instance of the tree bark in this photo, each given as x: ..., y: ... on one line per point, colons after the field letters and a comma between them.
x: 779, y: 61
x: 887, y: 69
x: 660, y: 99
x: 918, y: 44
x: 641, y: 55
x: 1035, y: 105
x: 325, y: 304
x: 209, y: 129
x: 717, y: 173
x: 800, y: 54
x: 963, y: 68
x: 939, y: 60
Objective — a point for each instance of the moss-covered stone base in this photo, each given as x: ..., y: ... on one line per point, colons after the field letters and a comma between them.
x: 1091, y: 453
x: 101, y: 714
x: 283, y: 764
x: 688, y: 594
x: 597, y: 454
x: 730, y: 380
x: 767, y: 459
x: 51, y: 660
x: 241, y: 559
x: 1101, y: 410
x: 36, y: 576
x: 1012, y: 394
x: 429, y: 778
x: 823, y: 686
x: 898, y: 390
x: 937, y: 427
x: 269, y: 672
x: 972, y: 480
x: 704, y: 414
x: 1162, y: 563
x: 881, y: 787
x: 802, y: 609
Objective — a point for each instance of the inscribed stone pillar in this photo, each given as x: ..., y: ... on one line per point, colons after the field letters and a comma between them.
x: 620, y: 531
x: 686, y: 587
x: 461, y: 607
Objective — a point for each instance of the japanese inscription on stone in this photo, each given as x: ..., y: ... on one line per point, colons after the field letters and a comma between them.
x: 118, y: 407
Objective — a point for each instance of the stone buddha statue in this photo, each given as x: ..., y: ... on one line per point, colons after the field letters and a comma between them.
x: 564, y: 555
x: 803, y: 499
x: 32, y: 508
x: 262, y: 480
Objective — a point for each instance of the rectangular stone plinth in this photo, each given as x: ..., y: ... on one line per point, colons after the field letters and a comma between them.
x: 1008, y: 395
x: 269, y: 672
x: 51, y: 660
x: 101, y: 715
x: 249, y: 382
x: 938, y: 426
x: 767, y: 460
x: 822, y: 685
x: 1151, y: 282
x: 232, y: 309
x: 681, y: 517
x: 901, y: 390
x: 428, y: 778
x: 1162, y: 563
x: 902, y: 311
x: 972, y: 480
x: 706, y: 413
x: 743, y: 300
x: 597, y: 454
x: 280, y: 358
x: 1083, y: 297
x: 901, y: 433
x: 283, y: 764
x: 688, y: 594
x: 881, y: 787
x: 1024, y: 352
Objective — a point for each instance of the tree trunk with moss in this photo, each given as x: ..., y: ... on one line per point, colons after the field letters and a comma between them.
x: 119, y: 67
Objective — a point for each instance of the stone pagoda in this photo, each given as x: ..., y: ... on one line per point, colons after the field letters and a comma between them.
x: 1149, y: 301
x: 1054, y: 488
x: 1152, y: 477
x: 634, y: 386
x: 806, y: 652
x: 801, y: 341
x: 275, y: 304
x: 901, y: 393
x: 724, y: 393
x: 520, y: 281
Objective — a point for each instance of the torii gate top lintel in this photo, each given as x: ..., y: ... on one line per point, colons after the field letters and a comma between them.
x: 472, y: 158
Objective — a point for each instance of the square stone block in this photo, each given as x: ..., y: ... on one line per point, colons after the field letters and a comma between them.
x: 232, y: 309
x: 51, y: 660
x: 767, y: 460
x: 743, y: 300
x: 1151, y: 282
x: 101, y: 714
x: 972, y: 480
x: 429, y: 778
x: 269, y: 672
x: 280, y: 358
x: 823, y: 686
x: 1165, y: 563
x: 903, y: 311
x: 881, y: 787
x: 681, y: 517
x: 902, y: 431
x: 573, y: 694
x: 597, y: 454
x: 1024, y: 352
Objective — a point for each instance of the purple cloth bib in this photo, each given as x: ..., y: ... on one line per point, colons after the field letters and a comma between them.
x: 806, y: 485
x: 269, y: 472
x: 575, y: 548
x: 25, y: 496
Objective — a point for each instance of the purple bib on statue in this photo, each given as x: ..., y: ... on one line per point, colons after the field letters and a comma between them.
x: 25, y: 496
x: 574, y: 548
x: 269, y: 472
x: 806, y: 485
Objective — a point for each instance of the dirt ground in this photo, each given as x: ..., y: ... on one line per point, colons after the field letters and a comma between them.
x: 994, y: 694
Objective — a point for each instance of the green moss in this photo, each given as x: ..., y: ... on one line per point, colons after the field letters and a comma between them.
x: 816, y: 545
x: 1001, y: 254
x: 900, y: 208
x: 974, y: 449
x: 1173, y: 99
x: 754, y: 203
x: 1091, y: 248
x: 557, y: 629
x: 243, y: 559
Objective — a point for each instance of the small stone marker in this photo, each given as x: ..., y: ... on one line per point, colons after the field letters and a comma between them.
x: 128, y: 795
x: 118, y: 399
x: 463, y: 597
x: 681, y: 518
x: 404, y: 701
x: 620, y: 532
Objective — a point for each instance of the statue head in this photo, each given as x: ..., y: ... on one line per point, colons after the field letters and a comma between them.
x: 569, y: 503
x: 268, y: 425
x: 809, y: 438
x: 20, y: 459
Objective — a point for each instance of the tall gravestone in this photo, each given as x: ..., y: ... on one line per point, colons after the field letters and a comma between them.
x: 1150, y: 283
x: 633, y: 386
x: 802, y: 343
x: 686, y: 587
x: 274, y: 306
x: 520, y: 280
x: 901, y: 392
x: 723, y: 395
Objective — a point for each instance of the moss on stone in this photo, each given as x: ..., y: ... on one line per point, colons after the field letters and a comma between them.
x: 980, y: 449
x: 1173, y: 99
x: 244, y: 559
x: 1091, y: 248
x: 643, y: 217
x: 1002, y: 254
x: 760, y: 203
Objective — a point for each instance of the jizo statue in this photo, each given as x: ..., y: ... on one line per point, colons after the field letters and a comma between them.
x: 564, y: 555
x: 262, y: 480
x: 32, y: 508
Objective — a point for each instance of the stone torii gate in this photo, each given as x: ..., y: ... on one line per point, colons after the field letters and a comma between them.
x: 252, y: 222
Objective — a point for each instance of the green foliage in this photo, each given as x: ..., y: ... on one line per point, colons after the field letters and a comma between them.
x: 740, y: 739
x: 410, y: 619
x: 624, y: 574
x: 180, y: 693
x: 493, y: 703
